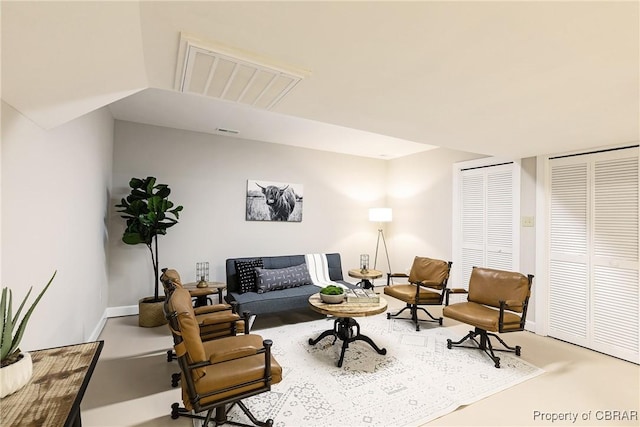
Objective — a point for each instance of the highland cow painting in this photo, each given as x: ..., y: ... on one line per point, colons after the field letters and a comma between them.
x: 273, y: 201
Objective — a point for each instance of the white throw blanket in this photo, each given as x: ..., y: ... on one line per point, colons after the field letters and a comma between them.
x: 318, y: 267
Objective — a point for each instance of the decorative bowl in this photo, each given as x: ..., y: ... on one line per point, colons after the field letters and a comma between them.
x: 332, y: 299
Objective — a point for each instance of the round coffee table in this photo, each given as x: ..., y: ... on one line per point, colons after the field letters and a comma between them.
x: 365, y: 277
x: 344, y: 324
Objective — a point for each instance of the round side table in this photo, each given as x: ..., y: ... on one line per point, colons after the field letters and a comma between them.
x: 366, y: 277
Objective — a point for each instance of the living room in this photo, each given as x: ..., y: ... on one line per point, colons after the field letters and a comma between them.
x: 67, y: 160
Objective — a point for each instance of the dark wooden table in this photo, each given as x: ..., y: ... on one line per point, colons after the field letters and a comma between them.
x: 53, y: 395
x: 201, y: 294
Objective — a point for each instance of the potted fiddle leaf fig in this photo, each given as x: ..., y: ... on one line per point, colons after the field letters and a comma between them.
x: 149, y: 213
x: 15, y: 365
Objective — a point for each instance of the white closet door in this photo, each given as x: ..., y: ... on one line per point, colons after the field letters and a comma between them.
x: 473, y: 219
x: 488, y: 203
x: 615, y: 256
x: 593, y: 270
x: 500, y: 217
x: 568, y: 276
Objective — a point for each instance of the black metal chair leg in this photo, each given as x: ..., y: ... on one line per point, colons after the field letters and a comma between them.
x: 175, y: 379
x: 484, y: 344
x: 414, y: 315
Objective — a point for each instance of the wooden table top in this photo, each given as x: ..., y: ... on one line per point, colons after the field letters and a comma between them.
x: 212, y: 288
x: 370, y: 274
x: 344, y: 309
x: 53, y: 395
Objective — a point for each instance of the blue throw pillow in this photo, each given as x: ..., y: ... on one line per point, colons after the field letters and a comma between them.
x: 246, y: 271
x: 281, y: 278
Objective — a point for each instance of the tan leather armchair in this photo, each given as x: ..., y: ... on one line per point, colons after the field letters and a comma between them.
x: 427, y: 286
x: 214, y: 321
x: 220, y: 373
x: 217, y: 320
x: 497, y: 302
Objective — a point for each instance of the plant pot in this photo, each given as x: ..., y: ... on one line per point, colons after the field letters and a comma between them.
x: 150, y: 313
x: 332, y: 299
x: 15, y: 376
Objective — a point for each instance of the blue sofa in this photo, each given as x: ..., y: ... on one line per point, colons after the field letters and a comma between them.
x: 282, y: 299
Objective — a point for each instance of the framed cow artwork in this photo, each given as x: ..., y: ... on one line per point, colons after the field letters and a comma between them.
x: 273, y: 201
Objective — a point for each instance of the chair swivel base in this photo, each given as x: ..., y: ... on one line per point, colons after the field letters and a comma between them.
x: 220, y: 416
x: 484, y: 344
x: 414, y: 316
x: 343, y: 328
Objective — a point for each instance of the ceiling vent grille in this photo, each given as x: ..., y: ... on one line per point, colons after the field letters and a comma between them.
x: 220, y: 72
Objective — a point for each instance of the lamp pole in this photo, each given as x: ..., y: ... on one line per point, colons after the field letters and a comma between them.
x: 384, y: 242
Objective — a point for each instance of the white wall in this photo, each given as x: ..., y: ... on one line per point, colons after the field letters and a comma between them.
x: 208, y: 176
x: 420, y: 193
x: 55, y: 189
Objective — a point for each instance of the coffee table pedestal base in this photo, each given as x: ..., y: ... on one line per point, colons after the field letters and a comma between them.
x: 348, y: 330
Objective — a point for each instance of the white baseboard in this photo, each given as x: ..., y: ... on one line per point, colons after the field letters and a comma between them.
x: 130, y: 310
x: 530, y: 326
x: 126, y: 310
x: 99, y: 327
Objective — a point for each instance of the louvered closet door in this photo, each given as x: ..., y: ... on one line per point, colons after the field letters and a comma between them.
x: 594, y: 297
x: 487, y: 219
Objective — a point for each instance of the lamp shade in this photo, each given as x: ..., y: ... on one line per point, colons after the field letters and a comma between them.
x: 380, y: 215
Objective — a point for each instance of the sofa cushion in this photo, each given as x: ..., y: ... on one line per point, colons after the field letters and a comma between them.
x: 247, y: 274
x: 281, y: 278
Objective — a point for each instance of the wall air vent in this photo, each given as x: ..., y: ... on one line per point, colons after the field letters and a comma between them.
x: 228, y: 131
x: 222, y: 72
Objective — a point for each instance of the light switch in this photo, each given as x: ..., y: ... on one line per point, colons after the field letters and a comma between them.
x: 528, y: 221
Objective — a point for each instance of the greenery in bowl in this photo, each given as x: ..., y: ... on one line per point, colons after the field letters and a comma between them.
x: 332, y: 290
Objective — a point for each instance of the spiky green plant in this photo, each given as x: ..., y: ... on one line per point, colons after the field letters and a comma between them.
x: 11, y: 337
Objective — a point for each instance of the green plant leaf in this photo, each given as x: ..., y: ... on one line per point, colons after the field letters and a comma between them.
x: 17, y: 315
x: 23, y: 324
x: 132, y: 238
x: 135, y: 183
x: 7, y: 324
x: 149, y: 184
x: 163, y: 191
x: 11, y: 337
x: 137, y: 195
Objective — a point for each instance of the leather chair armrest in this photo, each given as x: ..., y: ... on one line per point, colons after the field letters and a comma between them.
x: 429, y: 284
x: 218, y: 318
x: 454, y: 291
x: 513, y: 304
x: 235, y: 353
x: 212, y: 308
x: 394, y: 275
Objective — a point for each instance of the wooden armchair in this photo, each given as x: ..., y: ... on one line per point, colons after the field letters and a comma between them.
x: 497, y: 302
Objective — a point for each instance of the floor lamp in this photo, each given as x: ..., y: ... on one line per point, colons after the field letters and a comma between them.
x: 381, y: 215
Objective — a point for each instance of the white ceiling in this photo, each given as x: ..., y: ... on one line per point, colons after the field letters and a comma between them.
x: 197, y: 113
x: 512, y: 78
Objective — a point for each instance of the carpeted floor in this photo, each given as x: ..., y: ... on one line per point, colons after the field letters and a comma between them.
x: 418, y: 379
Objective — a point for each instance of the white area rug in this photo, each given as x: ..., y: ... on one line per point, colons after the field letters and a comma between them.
x: 418, y: 379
